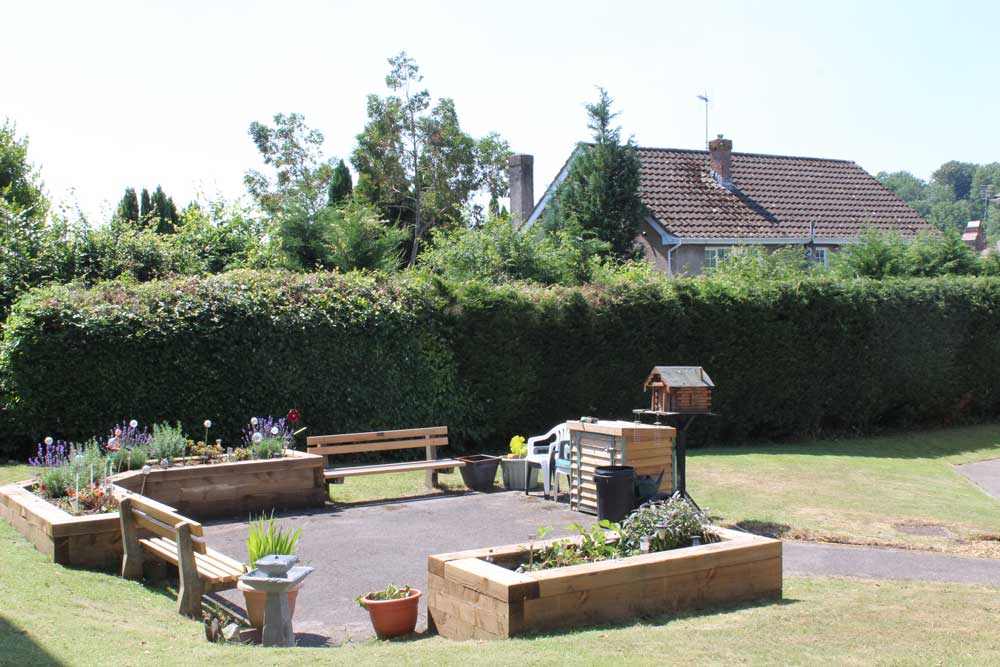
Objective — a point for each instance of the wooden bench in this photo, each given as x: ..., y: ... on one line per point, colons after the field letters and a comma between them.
x: 380, y: 441
x: 176, y: 540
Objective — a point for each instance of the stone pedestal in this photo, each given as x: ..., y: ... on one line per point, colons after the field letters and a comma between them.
x: 275, y: 576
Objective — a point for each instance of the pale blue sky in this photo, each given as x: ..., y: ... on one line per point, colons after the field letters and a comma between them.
x: 141, y: 93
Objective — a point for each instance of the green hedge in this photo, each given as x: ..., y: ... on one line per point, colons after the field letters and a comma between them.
x: 360, y: 353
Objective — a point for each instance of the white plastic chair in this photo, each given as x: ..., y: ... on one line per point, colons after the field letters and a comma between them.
x: 541, y: 449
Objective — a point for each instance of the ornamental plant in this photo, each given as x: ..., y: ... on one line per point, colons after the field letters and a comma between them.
x: 390, y: 592
x: 678, y: 519
x: 167, y: 442
x: 267, y: 538
x: 518, y: 447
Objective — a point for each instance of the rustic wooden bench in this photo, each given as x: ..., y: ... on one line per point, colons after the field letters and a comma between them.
x: 380, y: 441
x: 176, y: 540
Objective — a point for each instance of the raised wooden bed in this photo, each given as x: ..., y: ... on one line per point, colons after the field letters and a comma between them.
x: 470, y: 596
x: 93, y: 541
x: 197, y: 491
x: 234, y: 489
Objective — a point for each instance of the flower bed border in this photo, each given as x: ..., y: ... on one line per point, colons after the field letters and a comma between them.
x: 236, y: 488
x: 202, y: 491
x: 93, y: 540
x: 469, y: 597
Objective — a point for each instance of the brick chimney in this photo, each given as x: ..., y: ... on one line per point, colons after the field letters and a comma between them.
x: 522, y: 188
x: 720, y: 157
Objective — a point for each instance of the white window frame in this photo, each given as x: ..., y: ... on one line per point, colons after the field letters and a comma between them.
x: 821, y: 256
x: 715, y: 254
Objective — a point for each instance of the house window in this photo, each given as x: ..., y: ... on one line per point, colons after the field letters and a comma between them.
x: 715, y: 255
x: 821, y: 256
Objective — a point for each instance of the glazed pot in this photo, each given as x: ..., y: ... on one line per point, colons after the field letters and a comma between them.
x: 255, y: 603
x: 393, y: 618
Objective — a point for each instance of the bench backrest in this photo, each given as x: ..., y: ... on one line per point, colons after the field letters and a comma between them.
x: 378, y: 441
x: 161, y: 520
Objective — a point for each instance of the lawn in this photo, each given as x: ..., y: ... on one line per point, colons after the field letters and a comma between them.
x: 52, y: 616
x: 858, y: 491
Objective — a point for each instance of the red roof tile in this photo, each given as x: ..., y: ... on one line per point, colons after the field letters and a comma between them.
x: 772, y: 197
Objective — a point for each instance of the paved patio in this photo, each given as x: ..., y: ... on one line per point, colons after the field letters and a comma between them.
x: 363, y: 547
x: 360, y: 548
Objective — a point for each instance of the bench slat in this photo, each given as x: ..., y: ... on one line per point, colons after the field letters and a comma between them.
x: 339, y: 473
x: 376, y: 436
x: 378, y: 446
x: 213, y: 571
x: 223, y: 558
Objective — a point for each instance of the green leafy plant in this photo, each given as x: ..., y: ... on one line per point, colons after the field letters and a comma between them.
x: 679, y: 521
x: 518, y: 447
x: 202, y: 450
x: 127, y: 459
x: 267, y: 538
x: 594, y: 545
x: 268, y: 448
x: 242, y: 454
x: 168, y: 442
x: 390, y: 592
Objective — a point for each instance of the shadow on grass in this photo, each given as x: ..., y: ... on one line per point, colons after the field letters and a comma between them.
x: 763, y: 528
x: 915, y: 444
x: 18, y: 648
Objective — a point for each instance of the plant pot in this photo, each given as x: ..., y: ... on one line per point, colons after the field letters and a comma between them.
x: 393, y: 618
x: 255, y: 603
x: 515, y: 475
x: 479, y: 471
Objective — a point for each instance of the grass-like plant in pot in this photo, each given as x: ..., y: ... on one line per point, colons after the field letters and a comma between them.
x: 393, y: 610
x: 267, y: 538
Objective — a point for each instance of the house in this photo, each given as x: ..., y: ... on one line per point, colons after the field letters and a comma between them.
x: 703, y: 204
x: 974, y: 236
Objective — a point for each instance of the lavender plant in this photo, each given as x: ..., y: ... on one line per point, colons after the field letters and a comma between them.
x: 267, y: 437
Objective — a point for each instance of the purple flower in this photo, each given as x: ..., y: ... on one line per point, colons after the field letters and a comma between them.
x: 52, y: 455
x: 264, y: 426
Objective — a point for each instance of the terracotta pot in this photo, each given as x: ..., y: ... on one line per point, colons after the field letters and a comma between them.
x: 255, y: 603
x: 393, y: 618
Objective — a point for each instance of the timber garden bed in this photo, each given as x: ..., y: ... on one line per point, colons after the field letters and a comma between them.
x: 477, y: 595
x: 200, y: 491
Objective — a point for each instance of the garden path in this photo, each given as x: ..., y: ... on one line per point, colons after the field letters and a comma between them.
x: 986, y: 475
x: 363, y: 547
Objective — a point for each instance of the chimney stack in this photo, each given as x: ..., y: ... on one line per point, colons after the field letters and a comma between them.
x: 522, y: 188
x: 720, y: 157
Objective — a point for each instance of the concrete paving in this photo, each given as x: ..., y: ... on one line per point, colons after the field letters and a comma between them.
x: 985, y: 474
x: 808, y: 559
x: 361, y: 548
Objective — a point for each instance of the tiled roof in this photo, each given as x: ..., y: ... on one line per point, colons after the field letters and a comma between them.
x: 773, y: 197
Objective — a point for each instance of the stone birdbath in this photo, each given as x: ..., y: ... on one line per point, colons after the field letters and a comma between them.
x: 275, y: 576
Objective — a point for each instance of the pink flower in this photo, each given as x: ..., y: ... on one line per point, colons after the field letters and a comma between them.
x: 294, y: 416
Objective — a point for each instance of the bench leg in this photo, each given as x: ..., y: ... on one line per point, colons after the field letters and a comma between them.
x: 131, y: 549
x: 191, y: 589
x: 431, y: 476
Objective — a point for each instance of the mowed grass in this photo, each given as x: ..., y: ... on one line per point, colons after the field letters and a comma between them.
x: 857, y: 490
x: 53, y: 616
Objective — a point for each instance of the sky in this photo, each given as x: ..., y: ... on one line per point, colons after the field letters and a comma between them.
x: 116, y: 94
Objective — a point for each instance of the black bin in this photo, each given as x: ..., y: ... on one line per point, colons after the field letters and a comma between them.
x: 615, y: 495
